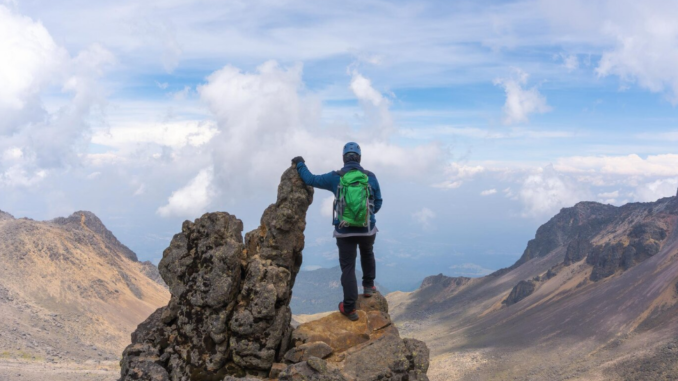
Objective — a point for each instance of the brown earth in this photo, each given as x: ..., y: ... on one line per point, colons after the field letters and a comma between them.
x: 70, y: 292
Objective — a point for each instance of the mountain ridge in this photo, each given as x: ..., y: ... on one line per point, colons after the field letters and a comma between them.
x: 69, y: 290
x: 597, y: 280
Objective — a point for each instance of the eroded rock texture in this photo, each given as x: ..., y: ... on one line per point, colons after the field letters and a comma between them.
x: 229, y: 312
x: 369, y: 349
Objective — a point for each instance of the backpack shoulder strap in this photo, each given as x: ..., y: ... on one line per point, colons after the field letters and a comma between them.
x: 342, y: 172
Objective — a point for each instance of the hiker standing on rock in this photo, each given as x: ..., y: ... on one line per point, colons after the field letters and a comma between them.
x: 357, y: 200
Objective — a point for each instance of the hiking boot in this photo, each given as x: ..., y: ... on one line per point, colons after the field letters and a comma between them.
x: 369, y: 291
x: 351, y: 315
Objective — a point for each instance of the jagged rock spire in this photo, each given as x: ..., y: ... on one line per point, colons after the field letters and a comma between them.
x: 229, y: 312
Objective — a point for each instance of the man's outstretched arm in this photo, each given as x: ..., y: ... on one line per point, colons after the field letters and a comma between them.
x: 377, y: 196
x: 317, y: 181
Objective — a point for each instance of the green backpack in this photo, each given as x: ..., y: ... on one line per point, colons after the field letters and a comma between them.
x: 352, y: 201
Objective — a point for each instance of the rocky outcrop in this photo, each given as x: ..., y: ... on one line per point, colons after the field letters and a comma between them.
x: 522, y: 290
x: 229, y: 315
x: 5, y: 216
x: 582, y: 221
x: 368, y: 349
x: 642, y: 242
x: 443, y: 281
x: 577, y: 250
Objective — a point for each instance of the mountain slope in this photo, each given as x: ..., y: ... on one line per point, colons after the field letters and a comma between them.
x: 596, y: 287
x: 69, y: 289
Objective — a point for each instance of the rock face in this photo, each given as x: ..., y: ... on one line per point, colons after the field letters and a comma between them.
x: 522, y: 290
x: 229, y: 315
x: 229, y: 312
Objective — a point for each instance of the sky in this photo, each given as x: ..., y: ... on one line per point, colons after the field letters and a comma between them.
x: 481, y: 119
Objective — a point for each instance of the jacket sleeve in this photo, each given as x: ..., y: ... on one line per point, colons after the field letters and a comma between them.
x: 316, y: 181
x: 377, y: 195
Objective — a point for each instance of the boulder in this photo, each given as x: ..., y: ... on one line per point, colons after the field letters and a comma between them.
x: 367, y: 349
x: 376, y: 302
x: 334, y: 330
x: 314, y: 369
x: 520, y: 291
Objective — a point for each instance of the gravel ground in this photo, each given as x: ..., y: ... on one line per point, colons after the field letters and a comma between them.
x: 11, y: 370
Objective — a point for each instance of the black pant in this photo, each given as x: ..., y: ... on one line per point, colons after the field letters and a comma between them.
x: 347, y: 255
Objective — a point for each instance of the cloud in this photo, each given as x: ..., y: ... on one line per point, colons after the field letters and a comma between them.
x: 521, y: 102
x: 268, y: 116
x: 424, y: 217
x: 375, y: 105
x: 30, y: 57
x: 32, y: 64
x: 629, y: 165
x: 614, y: 194
x: 646, y: 48
x: 470, y: 270
x: 175, y: 134
x: 193, y: 199
x: 457, y: 173
x: 311, y: 267
x: 655, y: 190
x: 488, y: 192
x: 327, y: 207
x: 544, y: 193
x: 570, y: 62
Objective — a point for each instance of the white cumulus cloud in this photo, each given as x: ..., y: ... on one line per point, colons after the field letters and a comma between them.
x: 327, y: 207
x: 655, y: 190
x: 488, y: 192
x: 521, y: 101
x: 32, y: 63
x: 544, y: 193
x: 193, y: 199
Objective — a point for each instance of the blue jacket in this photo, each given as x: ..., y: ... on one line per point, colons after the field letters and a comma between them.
x: 330, y: 182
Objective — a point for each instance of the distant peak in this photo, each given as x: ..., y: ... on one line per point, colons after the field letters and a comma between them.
x: 86, y: 220
x: 443, y: 281
x: 5, y: 216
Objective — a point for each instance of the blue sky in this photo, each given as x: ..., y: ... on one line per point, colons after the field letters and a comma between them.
x: 481, y: 118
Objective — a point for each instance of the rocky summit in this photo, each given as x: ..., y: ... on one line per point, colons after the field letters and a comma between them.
x: 229, y: 316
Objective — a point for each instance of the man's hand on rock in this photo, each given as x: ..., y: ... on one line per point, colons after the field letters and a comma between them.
x: 298, y: 160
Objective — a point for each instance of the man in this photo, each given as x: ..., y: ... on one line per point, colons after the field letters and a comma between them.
x: 353, y: 227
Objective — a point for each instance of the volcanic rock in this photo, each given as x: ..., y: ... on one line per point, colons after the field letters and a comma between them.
x: 229, y: 311
x: 368, y: 349
x: 522, y: 290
